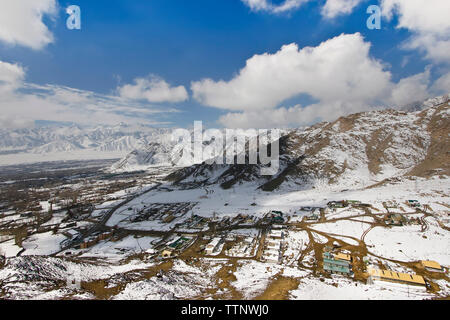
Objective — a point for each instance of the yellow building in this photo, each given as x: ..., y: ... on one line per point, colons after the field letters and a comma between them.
x: 433, y: 265
x: 167, y: 253
x: 343, y: 257
x: 392, y: 276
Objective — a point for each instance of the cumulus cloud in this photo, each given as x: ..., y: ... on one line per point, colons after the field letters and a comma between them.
x: 11, y: 77
x: 290, y: 117
x: 334, y: 8
x: 21, y: 22
x: 429, y: 23
x: 442, y: 85
x: 268, y: 6
x: 338, y: 69
x: 339, y: 74
x: 419, y: 15
x: 331, y: 9
x: 22, y: 103
x: 435, y: 47
x: 411, y: 89
x: 153, y: 89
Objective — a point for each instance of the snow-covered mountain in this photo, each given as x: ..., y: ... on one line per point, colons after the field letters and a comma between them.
x: 156, y: 152
x: 354, y: 151
x: 376, y: 144
x: 67, y: 138
x: 163, y: 150
x: 51, y: 142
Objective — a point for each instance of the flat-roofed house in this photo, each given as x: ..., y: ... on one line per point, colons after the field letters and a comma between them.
x: 271, y: 256
x: 167, y: 253
x: 343, y: 257
x: 213, y: 246
x: 431, y: 265
x: 332, y: 265
x: 276, y: 234
x: 396, y: 277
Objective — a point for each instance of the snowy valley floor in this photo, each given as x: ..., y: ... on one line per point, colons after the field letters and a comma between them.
x: 255, y: 256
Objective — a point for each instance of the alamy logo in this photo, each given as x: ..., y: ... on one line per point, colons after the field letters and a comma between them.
x: 374, y: 21
x: 74, y: 20
x: 212, y: 146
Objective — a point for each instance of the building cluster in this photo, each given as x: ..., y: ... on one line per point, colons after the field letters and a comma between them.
x: 273, y: 246
x: 244, y: 247
x: 94, y: 239
x: 163, y: 212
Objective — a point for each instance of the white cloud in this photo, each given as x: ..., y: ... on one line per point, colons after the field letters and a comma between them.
x: 411, y: 89
x: 22, y: 103
x: 435, y: 47
x: 334, y: 8
x: 331, y: 9
x: 416, y: 88
x: 271, y: 118
x: 267, y: 5
x: 418, y: 15
x: 11, y: 76
x: 442, y: 85
x: 429, y: 23
x: 294, y: 116
x: 339, y: 74
x: 153, y: 89
x: 21, y: 22
x: 339, y: 69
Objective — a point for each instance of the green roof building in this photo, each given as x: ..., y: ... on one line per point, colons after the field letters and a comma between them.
x: 335, y: 266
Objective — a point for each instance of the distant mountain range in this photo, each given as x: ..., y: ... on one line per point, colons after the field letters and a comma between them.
x: 360, y: 148
x: 63, y: 142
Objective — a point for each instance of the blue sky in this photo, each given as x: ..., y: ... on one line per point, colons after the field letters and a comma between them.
x: 178, y: 42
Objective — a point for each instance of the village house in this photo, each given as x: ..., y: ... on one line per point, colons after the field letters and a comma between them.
x: 168, y: 219
x: 343, y: 257
x: 167, y: 253
x: 395, y: 277
x: 354, y: 202
x: 271, y: 256
x: 335, y: 266
x: 414, y: 203
x: 431, y: 266
x: 213, y: 246
x: 395, y: 219
x: 276, y: 234
x: 179, y: 243
x: 337, y: 204
x: 277, y: 217
x: 312, y: 217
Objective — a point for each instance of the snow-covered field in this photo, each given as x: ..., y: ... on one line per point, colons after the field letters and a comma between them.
x: 238, y: 200
x: 407, y: 243
x: 42, y: 244
x: 116, y: 251
x: 395, y: 246
x: 340, y: 288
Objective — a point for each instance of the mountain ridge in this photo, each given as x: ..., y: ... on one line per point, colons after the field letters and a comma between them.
x: 354, y: 151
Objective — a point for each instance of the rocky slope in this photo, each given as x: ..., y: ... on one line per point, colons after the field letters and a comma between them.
x: 354, y: 151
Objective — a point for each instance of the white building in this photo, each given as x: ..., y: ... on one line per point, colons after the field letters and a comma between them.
x: 213, y: 246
